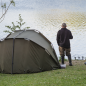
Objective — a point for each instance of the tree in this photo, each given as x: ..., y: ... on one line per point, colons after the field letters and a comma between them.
x: 14, y: 27
x: 5, y: 9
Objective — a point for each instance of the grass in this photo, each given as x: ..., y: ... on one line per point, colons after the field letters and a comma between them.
x: 71, y: 76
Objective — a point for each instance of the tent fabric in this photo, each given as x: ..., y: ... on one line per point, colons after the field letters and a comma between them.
x: 30, y: 55
x: 36, y: 37
x: 6, y: 55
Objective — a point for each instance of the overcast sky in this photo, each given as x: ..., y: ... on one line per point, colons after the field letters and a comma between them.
x: 74, y: 5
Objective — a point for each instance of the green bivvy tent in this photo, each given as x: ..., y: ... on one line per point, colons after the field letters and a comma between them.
x: 27, y: 51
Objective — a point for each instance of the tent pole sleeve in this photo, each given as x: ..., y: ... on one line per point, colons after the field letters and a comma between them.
x: 13, y: 49
x: 19, y: 33
x: 13, y: 55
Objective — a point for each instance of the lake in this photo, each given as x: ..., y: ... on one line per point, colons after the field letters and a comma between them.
x: 47, y: 17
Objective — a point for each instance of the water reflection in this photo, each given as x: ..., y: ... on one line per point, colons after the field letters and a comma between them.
x: 54, y: 18
x: 50, y: 22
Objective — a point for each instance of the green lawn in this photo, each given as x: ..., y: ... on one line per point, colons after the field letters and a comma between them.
x: 71, y: 76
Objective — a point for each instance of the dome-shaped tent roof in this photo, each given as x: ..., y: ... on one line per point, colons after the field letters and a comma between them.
x: 37, y: 37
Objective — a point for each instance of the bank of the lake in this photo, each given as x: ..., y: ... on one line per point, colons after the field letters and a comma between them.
x: 71, y: 76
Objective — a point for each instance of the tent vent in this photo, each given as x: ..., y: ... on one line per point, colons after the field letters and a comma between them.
x: 27, y: 39
x: 52, y: 46
x: 37, y: 31
x: 47, y: 51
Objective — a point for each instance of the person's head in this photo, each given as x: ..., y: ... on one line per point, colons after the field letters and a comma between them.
x: 64, y: 25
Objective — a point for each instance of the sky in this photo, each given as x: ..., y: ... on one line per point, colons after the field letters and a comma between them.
x: 73, y: 5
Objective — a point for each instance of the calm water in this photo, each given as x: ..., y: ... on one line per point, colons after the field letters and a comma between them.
x: 47, y: 17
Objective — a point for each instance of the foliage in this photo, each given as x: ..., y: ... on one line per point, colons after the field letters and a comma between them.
x: 60, y: 59
x: 71, y: 76
x: 5, y: 9
x: 14, y: 27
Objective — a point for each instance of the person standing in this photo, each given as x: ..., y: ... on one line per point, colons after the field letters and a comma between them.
x: 63, y: 40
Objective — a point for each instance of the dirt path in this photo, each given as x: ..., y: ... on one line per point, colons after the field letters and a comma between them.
x: 75, y: 62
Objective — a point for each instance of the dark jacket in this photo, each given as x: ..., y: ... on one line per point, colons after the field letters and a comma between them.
x: 63, y: 37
